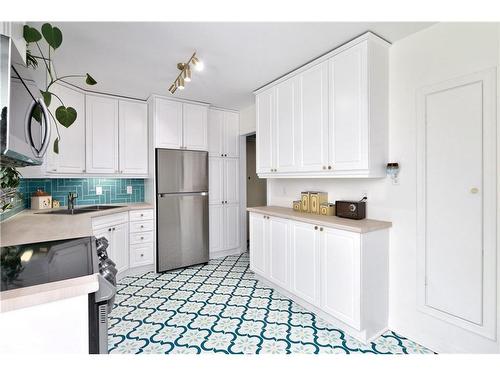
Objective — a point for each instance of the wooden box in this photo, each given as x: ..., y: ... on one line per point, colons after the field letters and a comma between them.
x: 316, y: 199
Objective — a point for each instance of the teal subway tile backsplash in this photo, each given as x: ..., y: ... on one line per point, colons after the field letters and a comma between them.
x: 114, y: 190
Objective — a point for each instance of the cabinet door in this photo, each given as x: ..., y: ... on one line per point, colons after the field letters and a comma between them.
x: 279, y: 249
x: 71, y: 156
x: 216, y: 180
x: 133, y: 130
x: 231, y: 180
x: 264, y: 129
x: 305, y: 262
x: 216, y: 227
x: 231, y: 134
x: 195, y: 127
x: 340, y: 275
x: 120, y: 248
x: 231, y: 226
x: 348, y: 138
x: 168, y: 123
x: 215, y: 132
x: 101, y: 134
x: 313, y: 123
x: 258, y: 246
x: 286, y: 123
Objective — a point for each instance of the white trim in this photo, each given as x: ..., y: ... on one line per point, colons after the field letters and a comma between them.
x: 155, y: 96
x: 366, y: 36
x: 225, y: 253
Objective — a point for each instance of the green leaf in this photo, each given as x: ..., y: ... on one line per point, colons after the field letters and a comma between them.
x: 31, y: 34
x: 37, y: 114
x: 89, y: 80
x: 47, y: 97
x: 66, y: 115
x: 52, y: 35
x: 56, y: 146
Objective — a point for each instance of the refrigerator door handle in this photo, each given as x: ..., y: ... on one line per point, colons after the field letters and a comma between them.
x: 163, y: 195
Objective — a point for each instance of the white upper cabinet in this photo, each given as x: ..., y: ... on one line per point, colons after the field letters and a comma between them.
x: 328, y: 118
x: 265, y: 160
x: 168, y: 123
x: 348, y: 109
x: 231, y: 135
x: 179, y: 125
x: 101, y: 134
x: 194, y: 127
x: 71, y: 156
x: 223, y: 133
x: 133, y: 130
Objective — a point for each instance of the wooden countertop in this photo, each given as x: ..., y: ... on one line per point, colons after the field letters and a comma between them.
x: 358, y: 226
x: 30, y: 226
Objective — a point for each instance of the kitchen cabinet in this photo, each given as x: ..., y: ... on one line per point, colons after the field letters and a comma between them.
x: 141, y: 240
x: 101, y: 117
x: 231, y: 180
x: 224, y: 227
x: 194, y: 127
x: 179, y: 125
x: 329, y: 118
x: 216, y: 180
x: 223, y: 133
x: 71, y: 156
x: 341, y: 275
x: 133, y: 137
x: 117, y: 236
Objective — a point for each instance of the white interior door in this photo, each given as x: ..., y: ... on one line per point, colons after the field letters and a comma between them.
x: 168, y: 123
x: 101, y: 117
x: 195, y: 127
x: 133, y: 130
x: 348, y: 130
x: 265, y: 122
x: 305, y: 261
x: 313, y: 124
x: 456, y: 202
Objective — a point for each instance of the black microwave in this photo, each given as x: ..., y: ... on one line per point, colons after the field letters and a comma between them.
x: 24, y: 118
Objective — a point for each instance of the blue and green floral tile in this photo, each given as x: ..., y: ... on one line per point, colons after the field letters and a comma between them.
x: 221, y: 308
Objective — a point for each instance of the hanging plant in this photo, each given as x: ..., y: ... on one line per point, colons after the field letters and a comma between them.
x: 64, y: 115
x: 10, y: 179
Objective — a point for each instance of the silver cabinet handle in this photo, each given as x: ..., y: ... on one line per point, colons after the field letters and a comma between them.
x: 142, y: 255
x: 142, y: 238
x: 315, y: 227
x: 109, y: 229
x: 329, y: 167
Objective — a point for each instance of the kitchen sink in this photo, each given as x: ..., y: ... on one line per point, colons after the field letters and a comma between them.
x: 76, y: 211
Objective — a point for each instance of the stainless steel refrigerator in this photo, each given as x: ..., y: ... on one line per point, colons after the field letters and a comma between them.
x: 182, y: 208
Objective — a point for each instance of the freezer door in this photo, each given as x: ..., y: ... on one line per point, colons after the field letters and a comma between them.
x: 180, y: 171
x: 182, y: 230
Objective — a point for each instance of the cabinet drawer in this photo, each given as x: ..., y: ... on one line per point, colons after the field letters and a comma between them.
x: 141, y: 255
x: 108, y: 220
x: 141, y: 226
x: 141, y: 238
x: 141, y: 215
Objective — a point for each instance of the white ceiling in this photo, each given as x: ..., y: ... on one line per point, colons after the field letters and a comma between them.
x: 139, y: 59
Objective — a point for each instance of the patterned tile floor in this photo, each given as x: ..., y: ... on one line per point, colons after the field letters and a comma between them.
x: 221, y: 308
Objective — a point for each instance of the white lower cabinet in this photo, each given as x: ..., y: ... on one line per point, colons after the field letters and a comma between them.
x: 340, y: 275
x: 224, y: 224
x: 130, y: 237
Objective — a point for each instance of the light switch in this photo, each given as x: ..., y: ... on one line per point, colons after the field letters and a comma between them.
x: 129, y: 189
x: 98, y: 190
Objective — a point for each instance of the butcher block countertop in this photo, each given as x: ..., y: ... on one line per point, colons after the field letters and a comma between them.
x: 30, y: 226
x: 358, y: 226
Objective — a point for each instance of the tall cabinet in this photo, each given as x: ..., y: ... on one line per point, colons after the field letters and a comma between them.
x: 224, y: 210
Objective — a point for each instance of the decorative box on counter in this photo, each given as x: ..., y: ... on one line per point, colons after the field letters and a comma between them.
x: 40, y: 200
x: 304, y: 202
x: 296, y: 205
x: 327, y: 209
x: 316, y: 199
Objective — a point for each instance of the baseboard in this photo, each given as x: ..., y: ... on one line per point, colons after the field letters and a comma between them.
x: 135, y: 271
x: 225, y: 253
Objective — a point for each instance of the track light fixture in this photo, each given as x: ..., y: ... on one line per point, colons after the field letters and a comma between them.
x: 185, y: 74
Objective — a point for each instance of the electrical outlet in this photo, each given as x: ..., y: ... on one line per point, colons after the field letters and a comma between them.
x: 129, y: 189
x: 98, y: 190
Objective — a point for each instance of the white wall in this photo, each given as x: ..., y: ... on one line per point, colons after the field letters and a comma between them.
x: 247, y: 120
x: 433, y: 55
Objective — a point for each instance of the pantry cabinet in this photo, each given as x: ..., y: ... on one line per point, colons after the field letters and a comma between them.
x: 133, y: 137
x: 339, y: 274
x: 179, y: 125
x: 328, y: 118
x: 223, y: 133
x: 224, y: 228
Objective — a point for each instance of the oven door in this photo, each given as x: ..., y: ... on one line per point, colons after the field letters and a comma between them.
x: 25, y: 123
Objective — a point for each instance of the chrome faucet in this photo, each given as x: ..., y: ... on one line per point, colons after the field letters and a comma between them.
x: 71, y: 200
